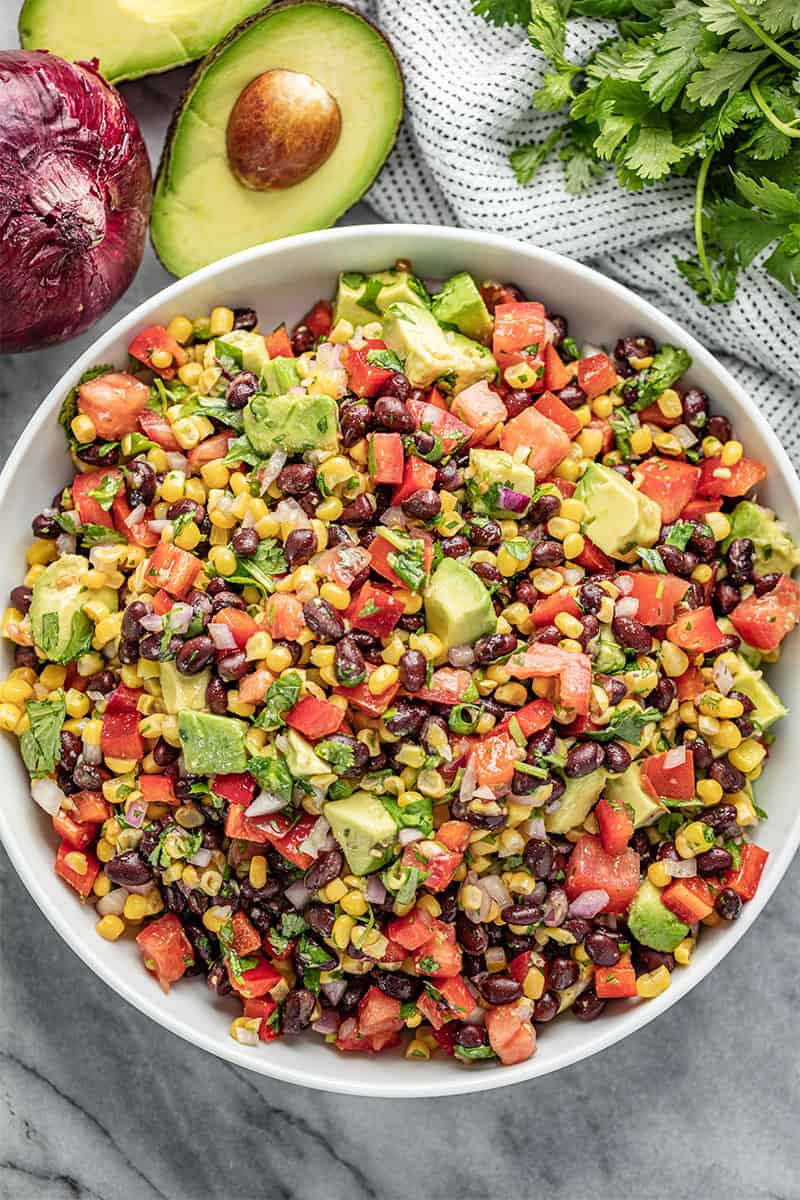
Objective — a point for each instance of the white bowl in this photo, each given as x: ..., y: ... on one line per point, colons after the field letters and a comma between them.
x: 281, y: 281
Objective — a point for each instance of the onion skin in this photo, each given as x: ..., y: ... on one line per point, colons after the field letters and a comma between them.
x: 75, y: 194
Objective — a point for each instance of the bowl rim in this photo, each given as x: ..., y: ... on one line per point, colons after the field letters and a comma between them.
x: 466, y: 1082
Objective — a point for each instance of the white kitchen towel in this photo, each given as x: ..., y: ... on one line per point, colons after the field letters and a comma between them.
x: 468, y: 102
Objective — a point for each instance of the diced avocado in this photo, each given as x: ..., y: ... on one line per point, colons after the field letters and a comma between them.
x: 183, y: 691
x: 301, y: 758
x: 651, y: 922
x: 279, y: 375
x: 775, y: 550
x: 768, y: 706
x: 461, y: 305
x: 251, y: 346
x: 471, y: 362
x: 618, y: 518
x: 577, y: 802
x: 749, y: 653
x: 627, y: 790
x: 458, y: 606
x: 292, y: 423
x: 488, y: 471
x: 212, y: 745
x: 364, y: 829
x: 610, y: 657
x: 361, y: 299
x: 61, y: 630
x: 434, y: 355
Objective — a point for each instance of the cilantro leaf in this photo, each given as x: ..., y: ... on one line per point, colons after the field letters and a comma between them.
x: 680, y: 534
x: 624, y: 425
x: 338, y: 754
x: 40, y: 744
x: 652, y: 558
x: 273, y: 777
x: 626, y: 724
x: 526, y: 160
x: 259, y: 569
x: 282, y: 695
x: 106, y: 490
x: 99, y: 535
x: 669, y: 364
x: 503, y: 12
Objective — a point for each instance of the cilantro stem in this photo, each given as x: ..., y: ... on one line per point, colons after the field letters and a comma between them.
x: 784, y: 55
x: 699, y: 236
x: 758, y: 96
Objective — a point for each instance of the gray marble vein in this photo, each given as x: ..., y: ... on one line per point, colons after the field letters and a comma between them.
x: 99, y: 1103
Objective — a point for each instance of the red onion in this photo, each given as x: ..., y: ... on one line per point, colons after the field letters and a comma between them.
x: 469, y: 781
x: 93, y: 754
x: 534, y: 828
x: 158, y: 526
x: 628, y: 606
x: 135, y: 813
x: 74, y: 198
x: 461, y: 656
x: 722, y: 677
x: 135, y: 515
x: 334, y: 991
x: 374, y: 891
x: 684, y: 435
x: 513, y: 502
x: 686, y: 868
x: 264, y: 804
x: 675, y: 757
x: 140, y: 889
x: 394, y: 518
x: 48, y: 795
x: 298, y: 894
x: 272, y: 468
x: 495, y: 957
x: 152, y: 622
x: 589, y: 904
x: 495, y: 889
x: 318, y: 839
x: 625, y: 584
x: 201, y: 858
x: 177, y: 461
x: 222, y: 636
x: 406, y: 836
x: 113, y: 903
x: 557, y: 906
x: 180, y: 617
x: 66, y: 543
x: 328, y: 1022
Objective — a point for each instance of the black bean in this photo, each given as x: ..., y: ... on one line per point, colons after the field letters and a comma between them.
x: 741, y: 558
x: 296, y: 479
x: 632, y: 633
x: 544, y: 508
x: 486, y: 572
x: 521, y: 913
x: 323, y: 620
x: 563, y: 972
x: 217, y: 696
x: 538, y: 857
x: 21, y: 598
x: 720, y: 817
x: 320, y: 918
x: 704, y: 546
x: 87, y: 777
x: 676, y: 561
x: 245, y: 542
x: 412, y: 669
x: 195, y: 655
x: 725, y: 597
x: 353, y: 994
x: 225, y: 599
x: 547, y: 554
x: 695, y: 409
x: 560, y: 328
x: 354, y: 421
x: 423, y: 505
x: 583, y: 758
x: 703, y: 757
x: 494, y: 646
x: 150, y: 648
x: 397, y: 385
x: 499, y: 989
x: 99, y: 455
x: 517, y: 401
x: 590, y: 597
x: 131, y: 617
x: 299, y: 547
x: 470, y: 1036
x: 617, y: 758
x: 164, y: 754
x: 140, y: 483
x: 588, y: 1006
x: 471, y: 934
x: 719, y: 427
x: 245, y: 318
x: 292, y: 647
x: 396, y: 984
x: 25, y: 656
x: 449, y: 477
x: 360, y: 512
x: 241, y: 388
x: 728, y: 904
x: 545, y: 1008
x: 390, y: 413
x: 762, y: 584
x: 324, y: 869
x: 303, y: 339
x: 667, y: 851
x: 456, y: 546
x: 71, y: 747
x: 713, y: 861
x: 572, y: 395
x: 349, y: 665
x: 297, y: 1009
x: 602, y: 948
x: 232, y: 665
x: 663, y: 694
x: 128, y: 869
x: 614, y: 688
x: 648, y: 960
x: 729, y: 777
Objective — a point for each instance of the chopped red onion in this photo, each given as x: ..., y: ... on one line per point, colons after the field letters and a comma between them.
x: 113, y: 903
x: 589, y: 348
x: 557, y: 906
x: 140, y: 889
x: 136, y: 515
x: 158, y: 526
x: 625, y: 584
x: 478, y: 1014
x: 152, y: 622
x: 406, y: 836
x: 92, y: 754
x: 298, y: 894
x: 461, y: 656
x: 374, y: 891
x: 535, y: 828
x: 180, y: 617
x: 317, y: 839
x: 335, y: 990
x: 685, y: 869
x: 684, y: 435
x: 628, y: 606
x: 675, y: 757
x: 177, y: 461
x: 135, y: 813
x: 201, y: 858
x: 484, y: 792
x: 222, y: 637
x: 572, y: 575
x: 550, y: 331
x: 328, y: 1022
x: 513, y: 502
x: 722, y: 677
x: 495, y: 957
x: 264, y: 804
x: 66, y: 543
x: 329, y: 357
x: 272, y: 468
x: 589, y: 904
x: 48, y: 795
x: 245, y: 1036
x: 394, y: 518
x: 495, y: 889
x: 468, y: 781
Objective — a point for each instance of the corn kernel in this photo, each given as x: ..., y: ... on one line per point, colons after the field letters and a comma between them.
x: 709, y: 791
x: 574, y: 545
x: 222, y: 559
x: 354, y: 904
x: 278, y: 659
x: 161, y: 359
x: 747, y: 756
x: 674, y: 661
x: 658, y: 875
x: 417, y: 1048
x: 547, y: 581
x: 181, y: 329
x: 10, y: 715
x: 110, y: 927
x: 221, y: 321
x: 641, y: 441
x: 568, y: 625
x: 533, y: 983
x: 511, y: 693
x: 336, y: 596
x: 683, y: 951
x: 83, y: 428
x: 719, y: 525
x: 590, y: 442
x: 603, y: 406
x: 135, y: 907
x: 520, y: 375
x: 342, y: 928
x: 40, y: 551
x: 728, y: 737
x: 669, y: 402
x: 653, y: 983
x: 17, y: 691
x: 695, y: 838
x: 731, y: 453
x: 428, y: 644
x: 508, y: 564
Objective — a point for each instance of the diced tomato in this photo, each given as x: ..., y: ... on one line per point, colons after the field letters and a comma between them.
x: 253, y: 688
x: 519, y: 336
x: 511, y: 1034
x: 690, y: 684
x: 616, y: 826
x: 69, y: 829
x: 246, y: 938
x: 123, y: 699
x: 236, y: 789
x: 209, y: 450
x: 545, y: 610
x: 120, y: 737
x: 441, y: 423
x: 158, y: 789
x: 157, y: 338
x: 262, y: 1010
x: 413, y: 930
x: 240, y: 623
x: 70, y: 871
x: 162, y: 602
x: 318, y: 319
x: 676, y: 783
x: 343, y: 564
x: 521, y: 964
x: 279, y: 343
x: 454, y: 835
x: 447, y: 686
x: 90, y: 807
x: 139, y: 532
x: 530, y: 718
x: 593, y: 559
x: 114, y: 403
x: 555, y: 373
x: 455, y: 1002
x: 156, y: 426
x: 379, y: 550
x: 283, y: 617
x: 173, y: 569
x: 288, y: 837
x: 438, y: 867
x: 378, y: 1013
x: 386, y: 457
x: 573, y: 671
x: 734, y: 481
x: 671, y: 483
x: 440, y: 955
x: 255, y: 981
x: 591, y: 868
x: 556, y: 410
x: 365, y: 701
x: 364, y: 378
x: 657, y: 596
x: 696, y: 510
x: 495, y: 759
x: 315, y: 718
x: 166, y: 949
x: 617, y: 982
x: 596, y: 375
x: 418, y: 475
x: 437, y: 1015
x: 689, y: 899
x: 696, y: 631
x: 481, y: 408
x: 435, y: 397
x: 764, y: 621
x: 745, y: 878
x: 348, y: 1038
x: 89, y: 510
x: 547, y: 441
x: 652, y: 415
x: 375, y: 610
x: 393, y: 953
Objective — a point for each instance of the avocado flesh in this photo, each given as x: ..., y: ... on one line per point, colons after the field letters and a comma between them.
x: 460, y: 304
x: 489, y: 467
x: 279, y: 375
x: 212, y: 745
x: 61, y: 629
x: 251, y: 346
x: 131, y: 38
x: 618, y: 518
x: 774, y: 548
x: 364, y: 829
x: 183, y: 691
x: 292, y: 423
x: 609, y: 657
x: 458, y: 607
x: 301, y: 758
x: 769, y: 708
x: 432, y: 354
x: 651, y: 922
x: 577, y: 802
x: 200, y: 210
x: 362, y: 299
x: 627, y: 790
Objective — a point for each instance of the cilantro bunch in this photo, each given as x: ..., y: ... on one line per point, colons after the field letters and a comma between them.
x: 705, y: 89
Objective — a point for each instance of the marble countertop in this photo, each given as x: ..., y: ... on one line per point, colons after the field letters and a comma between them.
x: 99, y: 1103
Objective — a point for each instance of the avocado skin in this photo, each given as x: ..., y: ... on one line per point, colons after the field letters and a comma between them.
x: 651, y: 922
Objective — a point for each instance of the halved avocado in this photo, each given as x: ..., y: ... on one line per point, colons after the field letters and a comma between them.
x: 248, y: 100
x: 131, y: 38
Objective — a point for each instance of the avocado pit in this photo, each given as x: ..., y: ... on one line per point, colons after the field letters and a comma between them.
x: 282, y: 128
